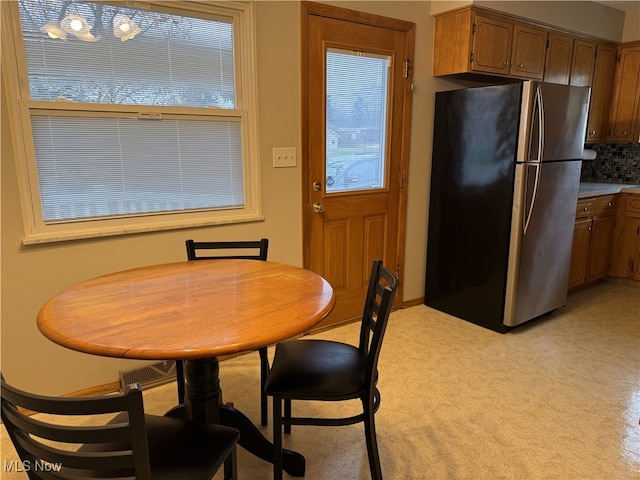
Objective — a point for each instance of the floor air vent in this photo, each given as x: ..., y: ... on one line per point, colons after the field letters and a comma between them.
x: 149, y: 376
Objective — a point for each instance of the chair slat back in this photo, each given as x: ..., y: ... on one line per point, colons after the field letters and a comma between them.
x: 377, y: 308
x: 49, y: 445
x: 235, y: 249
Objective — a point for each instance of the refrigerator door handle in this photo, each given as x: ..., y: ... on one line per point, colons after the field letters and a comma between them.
x: 538, y: 110
x: 531, y: 198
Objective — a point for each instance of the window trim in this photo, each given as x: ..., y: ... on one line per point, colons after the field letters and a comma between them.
x: 20, y: 106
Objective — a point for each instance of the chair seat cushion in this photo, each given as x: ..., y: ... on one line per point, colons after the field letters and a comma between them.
x: 180, y: 449
x: 316, y: 370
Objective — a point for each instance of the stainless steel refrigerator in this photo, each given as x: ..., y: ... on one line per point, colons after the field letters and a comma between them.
x: 504, y: 186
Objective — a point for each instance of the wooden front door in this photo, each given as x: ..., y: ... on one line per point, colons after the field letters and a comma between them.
x: 356, y: 74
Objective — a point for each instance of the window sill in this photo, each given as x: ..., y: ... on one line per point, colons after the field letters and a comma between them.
x: 53, y: 233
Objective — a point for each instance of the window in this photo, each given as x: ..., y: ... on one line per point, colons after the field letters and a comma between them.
x: 133, y: 116
x: 358, y: 89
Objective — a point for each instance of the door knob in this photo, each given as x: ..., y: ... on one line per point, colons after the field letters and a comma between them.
x: 318, y: 207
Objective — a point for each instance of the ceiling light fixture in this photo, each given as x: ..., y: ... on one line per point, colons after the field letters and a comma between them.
x: 78, y: 26
x: 75, y: 24
x: 54, y: 31
x: 124, y: 28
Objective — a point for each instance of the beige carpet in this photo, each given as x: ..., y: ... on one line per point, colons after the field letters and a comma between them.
x: 558, y: 398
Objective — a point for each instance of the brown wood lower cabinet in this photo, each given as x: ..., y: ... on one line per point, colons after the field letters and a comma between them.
x: 626, y: 253
x: 580, y: 252
x: 592, y: 239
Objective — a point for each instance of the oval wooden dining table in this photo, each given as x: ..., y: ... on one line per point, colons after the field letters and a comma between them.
x: 195, y: 312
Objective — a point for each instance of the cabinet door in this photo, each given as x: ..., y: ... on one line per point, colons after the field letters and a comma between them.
x: 626, y: 96
x: 626, y: 250
x: 528, y: 52
x: 601, y: 93
x: 452, y: 42
x: 491, y: 45
x: 579, y: 253
x: 558, y: 63
x: 584, y: 55
x: 635, y: 267
x: 626, y: 261
x: 600, y: 247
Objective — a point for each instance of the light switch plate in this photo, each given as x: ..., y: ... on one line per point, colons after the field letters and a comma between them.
x: 284, y: 157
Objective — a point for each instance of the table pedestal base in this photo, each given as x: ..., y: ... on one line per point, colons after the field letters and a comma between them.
x: 203, y: 402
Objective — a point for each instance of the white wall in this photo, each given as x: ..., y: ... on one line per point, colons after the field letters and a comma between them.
x: 631, y: 31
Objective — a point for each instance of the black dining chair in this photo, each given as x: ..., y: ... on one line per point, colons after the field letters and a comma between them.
x: 244, y: 249
x: 324, y: 370
x: 131, y: 445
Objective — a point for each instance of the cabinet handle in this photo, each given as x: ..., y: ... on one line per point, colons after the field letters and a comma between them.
x: 520, y: 65
x: 594, y: 132
x: 506, y: 63
x: 584, y: 209
x: 625, y: 133
x: 608, y: 204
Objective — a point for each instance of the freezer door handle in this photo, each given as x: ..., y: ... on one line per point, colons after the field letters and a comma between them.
x: 531, y: 185
x: 540, y: 111
x: 536, y: 132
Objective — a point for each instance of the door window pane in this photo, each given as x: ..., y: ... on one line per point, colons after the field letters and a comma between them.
x: 357, y: 93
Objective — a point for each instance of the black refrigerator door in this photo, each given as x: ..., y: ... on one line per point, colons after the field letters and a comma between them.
x: 472, y: 182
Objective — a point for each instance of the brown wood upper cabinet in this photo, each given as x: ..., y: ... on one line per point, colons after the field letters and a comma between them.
x: 580, y: 62
x: 474, y: 41
x: 601, y: 88
x: 491, y: 45
x: 558, y: 63
x: 584, y: 58
x: 477, y: 40
x: 624, y: 122
x: 528, y: 52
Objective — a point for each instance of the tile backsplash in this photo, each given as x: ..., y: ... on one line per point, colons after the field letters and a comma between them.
x: 615, y: 163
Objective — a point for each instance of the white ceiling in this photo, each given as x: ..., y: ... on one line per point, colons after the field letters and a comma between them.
x: 624, y: 5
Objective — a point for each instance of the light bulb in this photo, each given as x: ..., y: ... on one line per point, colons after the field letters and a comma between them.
x: 76, y: 25
x: 124, y: 28
x: 54, y: 31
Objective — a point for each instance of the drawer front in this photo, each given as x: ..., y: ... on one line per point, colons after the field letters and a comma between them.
x: 585, y: 208
x: 632, y: 204
x: 606, y: 205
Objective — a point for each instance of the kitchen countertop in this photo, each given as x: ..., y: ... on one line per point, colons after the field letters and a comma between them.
x: 595, y: 189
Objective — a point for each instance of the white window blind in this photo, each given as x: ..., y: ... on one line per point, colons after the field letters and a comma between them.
x: 139, y: 120
x: 102, y: 167
x: 357, y: 96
